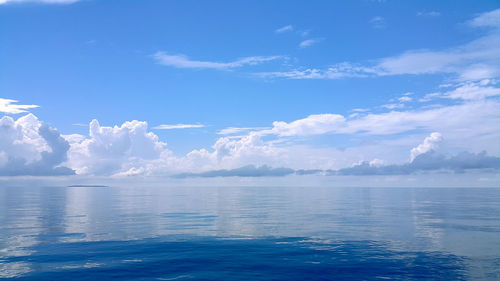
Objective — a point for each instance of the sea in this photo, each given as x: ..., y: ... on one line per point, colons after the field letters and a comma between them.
x: 136, y: 232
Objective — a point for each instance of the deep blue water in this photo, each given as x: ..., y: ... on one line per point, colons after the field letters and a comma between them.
x: 248, y: 233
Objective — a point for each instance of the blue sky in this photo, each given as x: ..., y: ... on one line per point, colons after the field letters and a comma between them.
x: 325, y: 85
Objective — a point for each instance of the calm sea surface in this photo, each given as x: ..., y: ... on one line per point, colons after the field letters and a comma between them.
x: 248, y: 233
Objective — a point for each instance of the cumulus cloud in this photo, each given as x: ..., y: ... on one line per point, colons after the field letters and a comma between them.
x: 430, y: 143
x: 182, y: 61
x: 110, y: 150
x: 131, y: 149
x: 40, y: 1
x: 29, y: 147
x: 8, y: 106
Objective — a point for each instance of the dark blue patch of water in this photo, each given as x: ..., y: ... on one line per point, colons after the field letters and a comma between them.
x: 205, y: 258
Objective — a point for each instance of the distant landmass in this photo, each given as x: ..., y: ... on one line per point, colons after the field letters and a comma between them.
x: 87, y: 185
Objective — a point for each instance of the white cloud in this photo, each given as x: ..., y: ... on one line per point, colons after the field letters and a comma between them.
x: 431, y: 143
x: 40, y: 1
x: 29, y: 147
x: 182, y: 61
x: 7, y: 106
x: 237, y: 130
x: 110, y: 150
x: 309, y: 42
x: 476, y: 60
x: 428, y: 162
x: 245, y: 171
x: 405, y: 99
x: 230, y: 153
x: 130, y: 149
x: 178, y: 126
x: 284, y: 29
x: 303, y: 33
x: 489, y: 19
x: 393, y: 105
x: 467, y: 91
x: 360, y: 110
x: 312, y: 125
x: 338, y: 71
x: 470, y: 124
x: 472, y: 91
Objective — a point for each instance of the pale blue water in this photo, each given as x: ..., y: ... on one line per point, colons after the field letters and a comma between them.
x: 249, y: 233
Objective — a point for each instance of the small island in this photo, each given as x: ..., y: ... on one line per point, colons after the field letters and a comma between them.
x: 87, y: 185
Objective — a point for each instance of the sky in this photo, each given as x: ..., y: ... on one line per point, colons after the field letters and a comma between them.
x: 250, y: 89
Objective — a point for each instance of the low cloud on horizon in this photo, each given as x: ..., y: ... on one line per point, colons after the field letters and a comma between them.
x: 429, y: 162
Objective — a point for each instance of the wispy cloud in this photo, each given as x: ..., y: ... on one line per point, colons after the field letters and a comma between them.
x: 429, y: 14
x: 7, y: 106
x: 393, y: 105
x: 182, y: 61
x: 309, y: 42
x: 378, y: 22
x: 40, y: 1
x: 283, y: 29
x: 237, y: 130
x: 178, y: 126
x: 338, y: 71
x: 405, y: 99
x: 467, y: 91
x: 477, y: 109
x: 488, y: 19
x: 476, y: 60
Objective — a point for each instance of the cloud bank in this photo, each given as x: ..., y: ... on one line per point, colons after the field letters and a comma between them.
x: 428, y: 162
x: 470, y: 120
x: 246, y: 171
x: 403, y: 136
